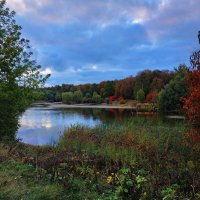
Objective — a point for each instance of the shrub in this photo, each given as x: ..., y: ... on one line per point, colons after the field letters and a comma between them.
x: 122, y: 102
x: 111, y: 99
x: 120, y: 98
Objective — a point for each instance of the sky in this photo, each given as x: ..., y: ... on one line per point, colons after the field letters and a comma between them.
x: 89, y: 41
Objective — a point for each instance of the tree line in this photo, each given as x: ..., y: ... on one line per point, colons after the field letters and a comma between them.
x: 160, y: 86
x: 127, y: 88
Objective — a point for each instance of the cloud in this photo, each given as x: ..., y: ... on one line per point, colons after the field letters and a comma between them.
x: 172, y: 15
x: 81, y: 44
x: 98, y: 11
x: 90, y: 41
x: 46, y: 71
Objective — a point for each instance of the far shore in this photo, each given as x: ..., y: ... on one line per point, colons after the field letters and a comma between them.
x: 62, y: 105
x: 57, y: 105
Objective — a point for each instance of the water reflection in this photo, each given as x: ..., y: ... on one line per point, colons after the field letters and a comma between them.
x: 40, y: 126
x: 44, y: 125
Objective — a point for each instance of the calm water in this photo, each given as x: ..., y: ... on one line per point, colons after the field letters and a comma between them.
x: 43, y: 125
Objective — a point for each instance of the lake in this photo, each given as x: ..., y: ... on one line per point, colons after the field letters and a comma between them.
x: 41, y: 125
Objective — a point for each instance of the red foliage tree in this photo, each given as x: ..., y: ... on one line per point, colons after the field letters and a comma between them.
x: 111, y: 98
x: 120, y: 98
x: 151, y: 97
x: 192, y: 103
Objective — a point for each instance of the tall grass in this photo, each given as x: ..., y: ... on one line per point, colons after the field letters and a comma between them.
x: 156, y: 146
x: 137, y: 137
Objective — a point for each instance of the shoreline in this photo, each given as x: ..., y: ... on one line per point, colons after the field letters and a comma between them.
x: 57, y: 105
x: 62, y: 105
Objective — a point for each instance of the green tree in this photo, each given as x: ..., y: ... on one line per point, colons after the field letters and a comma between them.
x: 58, y: 96
x: 78, y: 96
x: 88, y: 95
x: 49, y: 95
x: 169, y: 98
x: 96, y: 97
x: 143, y: 80
x: 39, y: 96
x: 109, y: 88
x: 67, y: 97
x: 19, y: 74
x: 140, y: 96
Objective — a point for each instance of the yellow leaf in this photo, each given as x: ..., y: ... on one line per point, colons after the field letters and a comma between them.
x: 109, y: 179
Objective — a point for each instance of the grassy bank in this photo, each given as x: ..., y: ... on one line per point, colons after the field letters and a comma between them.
x: 141, y: 159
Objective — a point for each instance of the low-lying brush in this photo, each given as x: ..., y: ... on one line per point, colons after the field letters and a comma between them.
x: 141, y: 159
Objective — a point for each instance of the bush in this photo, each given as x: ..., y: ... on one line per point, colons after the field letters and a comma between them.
x: 122, y: 102
x: 87, y: 100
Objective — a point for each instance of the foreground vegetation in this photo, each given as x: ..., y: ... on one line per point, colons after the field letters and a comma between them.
x: 143, y: 159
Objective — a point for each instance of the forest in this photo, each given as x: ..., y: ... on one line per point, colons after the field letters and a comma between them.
x: 162, y: 87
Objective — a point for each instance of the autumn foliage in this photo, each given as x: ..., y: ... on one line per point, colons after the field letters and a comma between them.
x: 113, y: 98
x: 152, y: 96
x: 192, y: 103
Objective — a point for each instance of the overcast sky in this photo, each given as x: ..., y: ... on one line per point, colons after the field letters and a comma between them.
x: 88, y: 41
